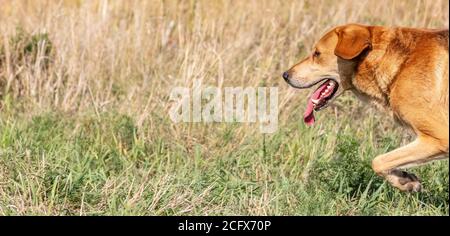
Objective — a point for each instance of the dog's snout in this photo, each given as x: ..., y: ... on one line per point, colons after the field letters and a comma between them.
x: 286, y: 75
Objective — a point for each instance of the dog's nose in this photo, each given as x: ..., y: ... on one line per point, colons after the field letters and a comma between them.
x: 286, y: 75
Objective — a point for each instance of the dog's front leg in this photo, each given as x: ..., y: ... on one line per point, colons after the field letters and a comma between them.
x: 422, y: 150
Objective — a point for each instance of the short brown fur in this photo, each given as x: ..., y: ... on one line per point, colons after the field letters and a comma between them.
x: 401, y: 70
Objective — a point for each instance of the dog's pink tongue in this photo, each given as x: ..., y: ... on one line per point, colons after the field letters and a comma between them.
x: 308, y: 116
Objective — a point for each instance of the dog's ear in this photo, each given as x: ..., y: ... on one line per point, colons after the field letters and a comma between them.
x: 352, y: 41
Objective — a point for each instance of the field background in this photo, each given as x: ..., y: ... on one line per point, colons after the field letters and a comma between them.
x: 84, y: 125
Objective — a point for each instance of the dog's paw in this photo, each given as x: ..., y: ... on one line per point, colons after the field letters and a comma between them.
x: 404, y: 181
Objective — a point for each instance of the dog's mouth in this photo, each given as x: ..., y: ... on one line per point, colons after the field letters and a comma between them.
x: 319, y: 99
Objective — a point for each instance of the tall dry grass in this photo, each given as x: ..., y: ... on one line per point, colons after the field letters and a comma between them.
x: 125, y: 52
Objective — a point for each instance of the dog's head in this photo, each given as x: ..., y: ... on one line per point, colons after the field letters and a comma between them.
x: 332, y: 64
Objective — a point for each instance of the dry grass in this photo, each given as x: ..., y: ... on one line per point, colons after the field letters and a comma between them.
x: 124, y: 56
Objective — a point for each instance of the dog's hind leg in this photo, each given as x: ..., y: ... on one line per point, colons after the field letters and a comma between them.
x: 424, y: 149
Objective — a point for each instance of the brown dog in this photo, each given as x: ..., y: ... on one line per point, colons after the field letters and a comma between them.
x: 402, y: 70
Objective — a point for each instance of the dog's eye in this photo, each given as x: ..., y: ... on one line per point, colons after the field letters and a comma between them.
x: 316, y: 53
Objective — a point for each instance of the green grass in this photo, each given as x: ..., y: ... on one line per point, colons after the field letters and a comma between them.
x: 55, y: 163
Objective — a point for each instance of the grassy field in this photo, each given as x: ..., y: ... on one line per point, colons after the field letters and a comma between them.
x: 85, y: 130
